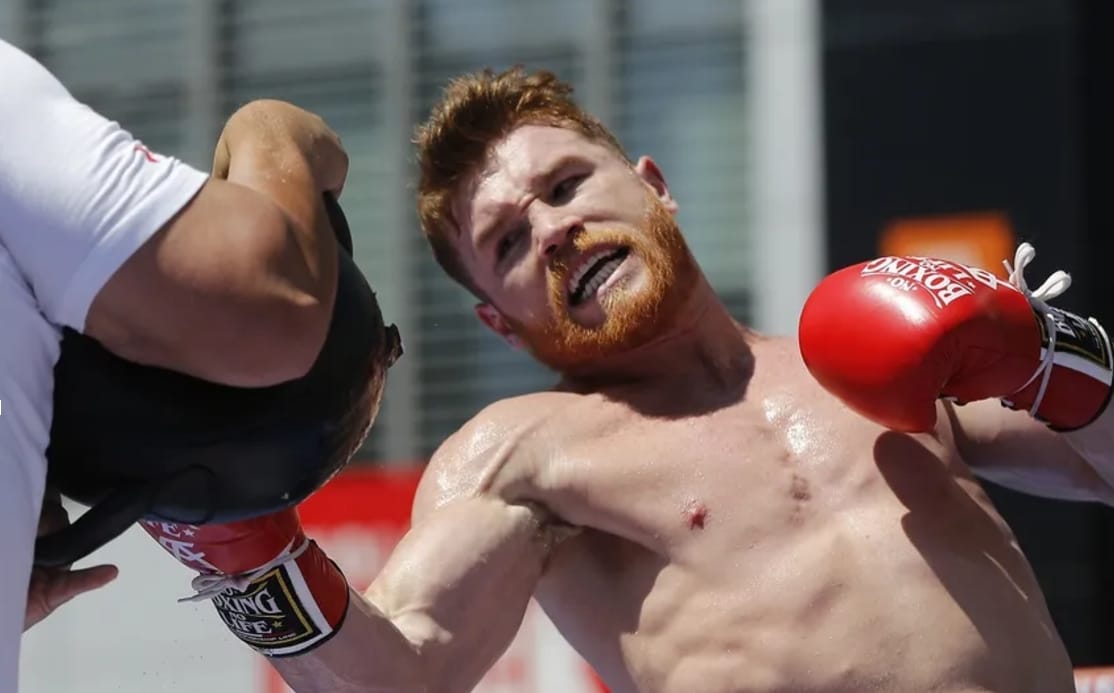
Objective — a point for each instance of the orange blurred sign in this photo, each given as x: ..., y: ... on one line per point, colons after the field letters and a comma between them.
x: 981, y: 240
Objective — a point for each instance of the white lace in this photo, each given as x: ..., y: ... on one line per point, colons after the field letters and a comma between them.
x: 209, y: 585
x: 1054, y: 286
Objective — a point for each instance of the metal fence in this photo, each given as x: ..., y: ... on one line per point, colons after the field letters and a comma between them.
x: 673, y: 79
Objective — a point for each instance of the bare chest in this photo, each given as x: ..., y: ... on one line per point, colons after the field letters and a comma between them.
x: 725, y: 478
x: 726, y: 547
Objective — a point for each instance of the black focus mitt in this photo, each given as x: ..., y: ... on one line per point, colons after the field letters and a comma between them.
x: 134, y: 441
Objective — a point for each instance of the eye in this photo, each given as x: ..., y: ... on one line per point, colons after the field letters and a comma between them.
x: 565, y: 189
x: 508, y: 242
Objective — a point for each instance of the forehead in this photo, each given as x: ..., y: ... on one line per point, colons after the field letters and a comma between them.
x: 512, y: 165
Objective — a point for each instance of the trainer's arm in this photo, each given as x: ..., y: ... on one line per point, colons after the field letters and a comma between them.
x: 1012, y: 449
x: 238, y: 287
x: 444, y: 608
x: 232, y: 280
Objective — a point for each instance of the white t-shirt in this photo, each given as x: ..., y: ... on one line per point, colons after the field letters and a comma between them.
x: 78, y: 196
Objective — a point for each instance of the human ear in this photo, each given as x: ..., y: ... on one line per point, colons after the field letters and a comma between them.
x: 494, y: 321
x: 647, y: 169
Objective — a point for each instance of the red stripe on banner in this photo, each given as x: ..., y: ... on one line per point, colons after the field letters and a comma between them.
x: 380, y: 497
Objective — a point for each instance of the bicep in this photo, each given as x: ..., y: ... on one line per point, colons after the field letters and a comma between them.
x: 1012, y: 449
x: 213, y: 294
x: 459, y: 582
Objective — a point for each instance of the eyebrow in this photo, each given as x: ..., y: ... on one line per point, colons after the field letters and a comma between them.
x: 507, y: 209
x: 489, y: 232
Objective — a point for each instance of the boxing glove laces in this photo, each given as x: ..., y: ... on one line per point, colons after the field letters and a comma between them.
x: 891, y: 336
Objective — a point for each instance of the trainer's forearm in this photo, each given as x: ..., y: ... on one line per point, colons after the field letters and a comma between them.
x: 367, y: 654
x: 268, y: 159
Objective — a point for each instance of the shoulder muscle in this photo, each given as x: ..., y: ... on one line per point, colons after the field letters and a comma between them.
x: 497, y: 451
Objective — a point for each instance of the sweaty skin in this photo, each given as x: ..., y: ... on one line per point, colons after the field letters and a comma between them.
x: 832, y: 556
x: 695, y: 513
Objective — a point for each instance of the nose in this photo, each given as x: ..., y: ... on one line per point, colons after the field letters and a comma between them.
x: 555, y: 233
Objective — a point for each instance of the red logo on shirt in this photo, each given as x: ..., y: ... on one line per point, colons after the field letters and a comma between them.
x: 146, y: 153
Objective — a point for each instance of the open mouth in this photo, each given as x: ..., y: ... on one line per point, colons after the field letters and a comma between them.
x: 593, y: 272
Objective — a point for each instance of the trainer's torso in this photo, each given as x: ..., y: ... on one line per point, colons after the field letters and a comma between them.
x: 782, y: 544
x: 28, y: 350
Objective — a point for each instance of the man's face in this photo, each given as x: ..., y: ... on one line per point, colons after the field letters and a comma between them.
x: 577, y: 251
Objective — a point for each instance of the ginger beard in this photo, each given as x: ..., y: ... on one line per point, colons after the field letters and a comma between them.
x: 635, y: 312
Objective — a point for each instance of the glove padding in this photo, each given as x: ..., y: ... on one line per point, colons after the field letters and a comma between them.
x: 891, y: 336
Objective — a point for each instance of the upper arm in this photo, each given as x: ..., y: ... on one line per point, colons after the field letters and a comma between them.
x: 1012, y: 449
x: 211, y: 294
x: 146, y: 254
x: 459, y: 582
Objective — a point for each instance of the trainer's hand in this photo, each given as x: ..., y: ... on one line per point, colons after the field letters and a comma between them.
x: 267, y: 120
x: 50, y: 588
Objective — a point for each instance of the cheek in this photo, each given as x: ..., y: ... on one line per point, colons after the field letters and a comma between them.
x: 524, y: 297
x: 528, y: 281
x: 624, y: 204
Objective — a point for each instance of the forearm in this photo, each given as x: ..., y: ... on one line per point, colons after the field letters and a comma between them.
x: 442, y: 610
x: 368, y: 653
x: 1095, y: 444
x: 265, y: 155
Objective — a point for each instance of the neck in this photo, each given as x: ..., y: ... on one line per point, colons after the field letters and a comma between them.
x: 706, y: 347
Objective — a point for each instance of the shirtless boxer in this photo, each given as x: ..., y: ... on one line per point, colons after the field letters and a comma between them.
x: 229, y: 277
x: 689, y: 506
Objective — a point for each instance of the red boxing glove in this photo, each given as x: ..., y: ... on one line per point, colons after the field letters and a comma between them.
x: 891, y: 336
x: 273, y: 587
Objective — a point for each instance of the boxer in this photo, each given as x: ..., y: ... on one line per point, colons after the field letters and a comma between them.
x: 697, y: 506
x: 229, y: 277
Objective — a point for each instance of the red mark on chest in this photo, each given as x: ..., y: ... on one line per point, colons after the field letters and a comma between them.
x: 696, y: 514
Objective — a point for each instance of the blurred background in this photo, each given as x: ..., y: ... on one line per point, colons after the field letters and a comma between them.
x: 798, y: 136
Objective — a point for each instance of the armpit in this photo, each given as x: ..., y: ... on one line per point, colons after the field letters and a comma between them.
x: 552, y: 531
x: 549, y: 530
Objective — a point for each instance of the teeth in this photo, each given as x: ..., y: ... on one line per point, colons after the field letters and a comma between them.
x: 601, y: 276
x: 574, y: 281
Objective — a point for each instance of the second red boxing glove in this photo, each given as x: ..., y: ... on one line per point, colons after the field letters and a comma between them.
x: 891, y: 336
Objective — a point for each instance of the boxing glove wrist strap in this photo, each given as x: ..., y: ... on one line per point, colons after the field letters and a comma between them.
x: 288, y: 606
x: 1072, y: 385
